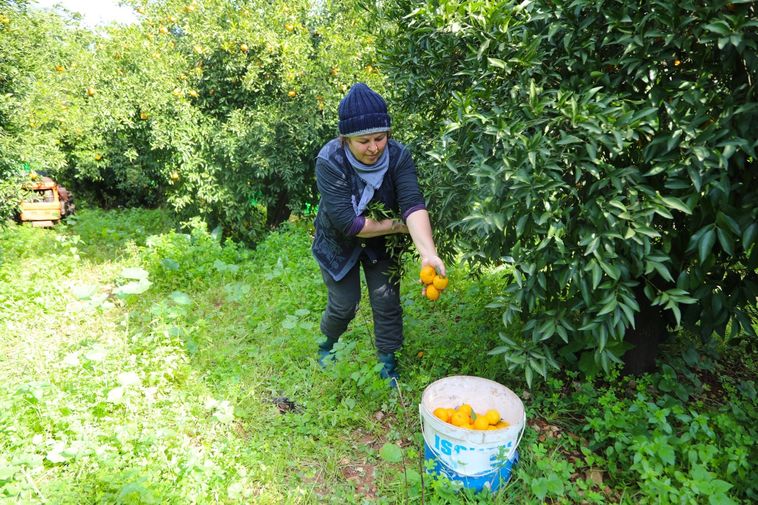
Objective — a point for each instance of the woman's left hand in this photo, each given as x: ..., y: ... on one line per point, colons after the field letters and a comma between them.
x: 399, y: 227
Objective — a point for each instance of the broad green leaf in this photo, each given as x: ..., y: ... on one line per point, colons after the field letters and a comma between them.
x: 134, y: 273
x: 115, y: 395
x: 391, y: 453
x: 132, y: 288
x: 748, y: 236
x: 706, y: 244
x: 495, y: 62
x: 180, y: 298
x: 128, y: 379
x: 726, y: 241
x: 675, y: 203
x: 169, y: 264
x: 83, y: 291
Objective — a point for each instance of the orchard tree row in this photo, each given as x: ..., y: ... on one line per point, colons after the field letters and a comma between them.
x: 216, y: 108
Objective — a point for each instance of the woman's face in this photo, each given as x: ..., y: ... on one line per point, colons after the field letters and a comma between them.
x: 368, y: 148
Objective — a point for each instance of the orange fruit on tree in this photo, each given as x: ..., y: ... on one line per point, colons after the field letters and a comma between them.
x: 439, y: 282
x: 432, y: 293
x: 292, y: 93
x: 427, y: 274
x: 244, y: 48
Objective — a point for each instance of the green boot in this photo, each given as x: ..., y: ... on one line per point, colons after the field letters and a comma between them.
x: 389, y: 367
x: 325, y: 355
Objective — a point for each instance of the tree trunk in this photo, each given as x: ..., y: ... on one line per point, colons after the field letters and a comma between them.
x: 646, y: 337
x: 278, y: 212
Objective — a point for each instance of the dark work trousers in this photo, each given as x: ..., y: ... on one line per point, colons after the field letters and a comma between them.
x: 384, y: 294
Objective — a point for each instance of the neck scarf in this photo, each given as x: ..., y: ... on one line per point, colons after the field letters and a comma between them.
x: 372, y: 175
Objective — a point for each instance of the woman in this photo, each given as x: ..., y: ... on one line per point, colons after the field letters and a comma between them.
x: 361, y: 166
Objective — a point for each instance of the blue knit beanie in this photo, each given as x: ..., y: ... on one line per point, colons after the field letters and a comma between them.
x: 362, y: 112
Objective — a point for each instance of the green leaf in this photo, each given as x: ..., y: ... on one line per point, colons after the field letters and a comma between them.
x: 597, y: 274
x: 727, y: 222
x: 391, y: 453
x: 495, y: 62
x: 748, y: 236
x: 720, y: 27
x: 568, y: 139
x: 180, y: 298
x: 132, y: 288
x: 726, y: 241
x: 675, y: 203
x: 134, y: 273
x: 83, y: 291
x: 706, y: 244
x: 169, y: 264
x: 529, y: 375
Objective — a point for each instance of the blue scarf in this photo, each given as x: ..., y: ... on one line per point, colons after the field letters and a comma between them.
x: 372, y: 175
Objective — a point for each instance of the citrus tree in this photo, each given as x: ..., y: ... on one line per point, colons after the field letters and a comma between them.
x: 604, y: 152
x: 29, y: 42
x: 215, y: 108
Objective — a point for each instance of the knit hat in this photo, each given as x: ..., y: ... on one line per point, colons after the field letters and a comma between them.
x: 362, y: 112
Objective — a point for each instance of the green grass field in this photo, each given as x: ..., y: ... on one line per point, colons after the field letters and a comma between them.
x: 144, y: 365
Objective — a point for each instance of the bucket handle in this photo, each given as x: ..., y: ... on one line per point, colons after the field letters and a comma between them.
x: 482, y: 474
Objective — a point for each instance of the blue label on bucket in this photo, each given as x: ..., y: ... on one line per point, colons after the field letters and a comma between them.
x: 447, y: 448
x: 499, y: 475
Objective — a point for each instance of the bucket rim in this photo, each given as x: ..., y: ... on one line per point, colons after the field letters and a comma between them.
x: 517, y: 420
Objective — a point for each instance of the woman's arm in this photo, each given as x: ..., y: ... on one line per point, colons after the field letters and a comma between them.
x: 420, y: 229
x: 373, y: 228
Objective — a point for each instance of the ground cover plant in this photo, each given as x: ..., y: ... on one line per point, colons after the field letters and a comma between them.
x: 149, y: 361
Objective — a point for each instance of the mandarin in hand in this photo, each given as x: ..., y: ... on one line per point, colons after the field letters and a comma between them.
x: 439, y: 282
x: 432, y: 293
x: 427, y: 274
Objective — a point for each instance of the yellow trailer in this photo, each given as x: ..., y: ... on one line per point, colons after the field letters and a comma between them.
x: 50, y: 205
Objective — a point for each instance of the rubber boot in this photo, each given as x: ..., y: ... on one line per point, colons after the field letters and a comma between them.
x: 325, y: 355
x: 389, y: 367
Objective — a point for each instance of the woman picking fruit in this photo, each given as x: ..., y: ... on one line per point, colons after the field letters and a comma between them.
x: 361, y: 166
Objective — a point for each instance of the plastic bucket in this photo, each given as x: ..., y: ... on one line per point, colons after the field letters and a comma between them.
x: 477, y: 459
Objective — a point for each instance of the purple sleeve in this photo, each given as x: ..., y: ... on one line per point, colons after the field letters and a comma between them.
x: 409, y: 197
x: 413, y: 209
x: 358, y: 223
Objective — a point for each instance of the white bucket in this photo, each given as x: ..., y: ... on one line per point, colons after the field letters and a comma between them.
x: 477, y: 458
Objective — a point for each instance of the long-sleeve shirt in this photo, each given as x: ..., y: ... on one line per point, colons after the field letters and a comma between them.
x: 336, y: 246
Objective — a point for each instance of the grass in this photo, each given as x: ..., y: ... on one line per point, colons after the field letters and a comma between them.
x: 204, y: 388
